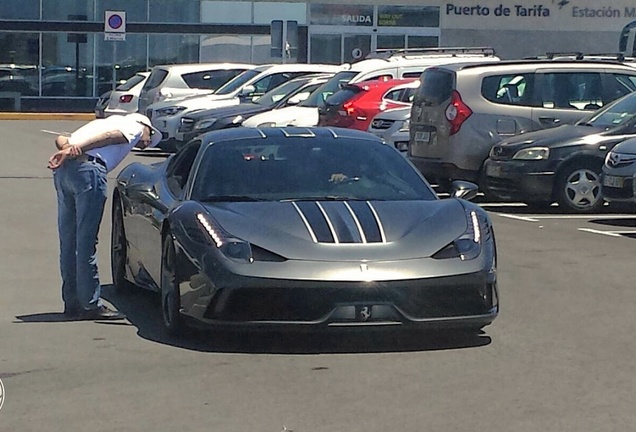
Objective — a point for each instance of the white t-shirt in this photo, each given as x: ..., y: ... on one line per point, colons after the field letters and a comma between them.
x: 112, y: 155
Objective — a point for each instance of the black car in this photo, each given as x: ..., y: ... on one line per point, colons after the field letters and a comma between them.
x: 289, y: 93
x: 561, y: 164
x: 302, y: 227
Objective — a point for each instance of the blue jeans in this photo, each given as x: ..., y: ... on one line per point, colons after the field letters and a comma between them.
x: 81, y: 195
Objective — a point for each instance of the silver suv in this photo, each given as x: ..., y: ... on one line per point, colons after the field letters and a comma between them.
x: 179, y: 80
x: 462, y: 110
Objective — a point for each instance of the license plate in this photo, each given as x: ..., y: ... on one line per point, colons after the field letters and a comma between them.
x: 613, y: 181
x: 422, y: 136
x: 493, y: 170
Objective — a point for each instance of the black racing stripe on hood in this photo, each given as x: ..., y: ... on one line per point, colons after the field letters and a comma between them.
x: 367, y: 220
x: 343, y: 221
x: 316, y: 221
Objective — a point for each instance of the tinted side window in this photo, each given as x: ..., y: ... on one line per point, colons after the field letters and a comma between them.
x: 155, y: 79
x: 396, y: 95
x: 211, y: 80
x: 621, y: 84
x: 180, y: 166
x: 571, y: 90
x: 509, y: 89
x: 436, y: 87
x: 130, y: 83
x: 341, y: 96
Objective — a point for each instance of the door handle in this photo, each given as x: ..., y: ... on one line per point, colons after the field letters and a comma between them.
x: 549, y: 120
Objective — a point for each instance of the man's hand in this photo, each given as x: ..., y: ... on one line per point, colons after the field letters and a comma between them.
x: 61, y: 142
x: 59, y: 157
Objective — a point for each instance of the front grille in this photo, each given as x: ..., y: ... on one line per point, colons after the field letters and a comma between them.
x: 382, y: 124
x: 435, y: 298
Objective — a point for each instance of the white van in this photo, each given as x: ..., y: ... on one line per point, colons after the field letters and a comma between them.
x: 386, y: 64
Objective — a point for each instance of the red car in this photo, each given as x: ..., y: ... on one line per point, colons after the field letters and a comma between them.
x: 355, y: 105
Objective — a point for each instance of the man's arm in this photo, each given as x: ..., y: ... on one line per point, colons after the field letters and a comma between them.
x: 96, y: 141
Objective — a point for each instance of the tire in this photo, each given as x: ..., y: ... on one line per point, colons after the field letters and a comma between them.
x: 119, y: 249
x: 578, y: 188
x: 170, y: 298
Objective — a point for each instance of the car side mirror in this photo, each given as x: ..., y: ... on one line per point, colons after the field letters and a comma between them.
x: 464, y: 190
x: 247, y: 91
x: 146, y: 193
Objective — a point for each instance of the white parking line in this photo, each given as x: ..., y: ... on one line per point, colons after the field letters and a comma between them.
x: 523, y: 218
x: 607, y: 233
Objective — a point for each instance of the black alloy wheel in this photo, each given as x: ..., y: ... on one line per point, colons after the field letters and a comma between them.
x: 119, y: 248
x: 170, y: 300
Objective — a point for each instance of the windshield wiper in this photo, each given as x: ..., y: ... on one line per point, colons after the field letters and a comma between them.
x: 230, y: 198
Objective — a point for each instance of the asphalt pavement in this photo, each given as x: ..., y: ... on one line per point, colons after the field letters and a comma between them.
x: 559, y: 357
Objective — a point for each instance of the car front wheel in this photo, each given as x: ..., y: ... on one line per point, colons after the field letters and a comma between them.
x: 579, y: 188
x: 170, y: 299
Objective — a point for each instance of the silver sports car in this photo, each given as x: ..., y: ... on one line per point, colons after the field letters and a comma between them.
x: 302, y: 227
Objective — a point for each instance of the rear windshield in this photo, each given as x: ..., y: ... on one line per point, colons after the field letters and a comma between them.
x: 436, y: 87
x: 210, y: 80
x: 155, y: 79
x: 131, y: 82
x: 343, y: 95
x: 335, y: 83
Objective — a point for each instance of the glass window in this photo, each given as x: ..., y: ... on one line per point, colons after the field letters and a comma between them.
x: 131, y: 82
x: 173, y: 49
x: 211, y: 80
x: 326, y: 49
x: 230, y: 48
x: 118, y: 61
x: 621, y: 85
x: 19, y: 63
x: 67, y: 67
x: 135, y: 10
x: 341, y: 14
x: 317, y: 98
x: 422, y: 41
x: 71, y: 10
x: 511, y: 89
x: 20, y: 10
x: 170, y: 11
x: 436, y: 87
x: 571, y: 91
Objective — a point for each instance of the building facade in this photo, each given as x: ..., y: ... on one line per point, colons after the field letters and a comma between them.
x: 57, y: 54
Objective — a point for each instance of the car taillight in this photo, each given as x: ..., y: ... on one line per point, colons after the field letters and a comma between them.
x: 125, y: 98
x: 457, y: 112
x: 348, y: 110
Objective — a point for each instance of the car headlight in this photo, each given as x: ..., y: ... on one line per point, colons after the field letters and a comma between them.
x: 169, y: 111
x: 267, y: 124
x: 533, y: 153
x: 468, y: 245
x: 406, y: 124
x: 230, y: 246
x: 204, y: 124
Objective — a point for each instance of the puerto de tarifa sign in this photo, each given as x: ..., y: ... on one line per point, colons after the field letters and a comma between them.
x: 562, y: 15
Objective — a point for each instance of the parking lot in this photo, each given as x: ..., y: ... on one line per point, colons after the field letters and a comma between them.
x: 558, y: 358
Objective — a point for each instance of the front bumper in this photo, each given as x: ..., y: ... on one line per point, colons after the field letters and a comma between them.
x: 168, y: 126
x: 460, y: 301
x: 618, y: 188
x: 437, y: 171
x: 514, y: 180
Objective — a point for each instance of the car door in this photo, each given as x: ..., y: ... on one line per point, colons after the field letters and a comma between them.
x: 565, y: 96
x: 169, y: 188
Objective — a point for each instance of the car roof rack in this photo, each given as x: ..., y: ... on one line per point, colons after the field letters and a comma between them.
x: 387, y: 53
x: 577, y: 55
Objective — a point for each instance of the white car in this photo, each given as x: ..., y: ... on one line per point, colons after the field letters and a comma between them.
x: 125, y: 98
x: 393, y: 127
x: 253, y: 83
x: 397, y: 64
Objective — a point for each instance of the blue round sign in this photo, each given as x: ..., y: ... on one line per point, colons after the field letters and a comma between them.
x: 115, y: 21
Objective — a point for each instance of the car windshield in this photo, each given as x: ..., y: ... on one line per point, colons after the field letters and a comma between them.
x: 278, y: 93
x: 236, y: 83
x: 307, y: 169
x: 615, y: 114
x: 318, y: 97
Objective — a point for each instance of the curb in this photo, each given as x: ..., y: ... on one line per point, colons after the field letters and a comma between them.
x: 46, y: 116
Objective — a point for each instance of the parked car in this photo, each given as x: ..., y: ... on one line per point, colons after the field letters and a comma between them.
x: 289, y: 93
x: 125, y: 98
x: 179, y: 80
x: 249, y: 226
x: 101, y: 104
x: 403, y: 63
x: 619, y: 172
x: 393, y: 127
x: 247, y: 86
x: 561, y: 164
x: 461, y: 111
x: 355, y: 105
